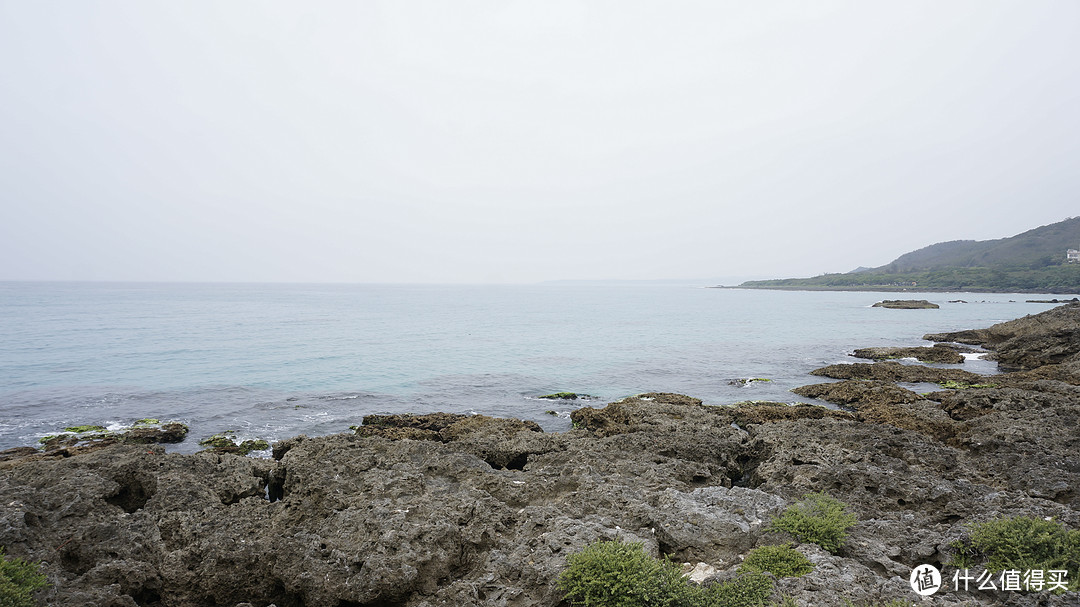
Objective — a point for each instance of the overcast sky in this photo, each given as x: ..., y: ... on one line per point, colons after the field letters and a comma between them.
x: 520, y: 141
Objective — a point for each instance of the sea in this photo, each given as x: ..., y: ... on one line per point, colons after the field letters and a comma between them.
x: 273, y: 361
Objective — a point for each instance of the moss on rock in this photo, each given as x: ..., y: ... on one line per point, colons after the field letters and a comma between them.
x: 84, y: 429
x: 564, y: 396
x: 223, y: 442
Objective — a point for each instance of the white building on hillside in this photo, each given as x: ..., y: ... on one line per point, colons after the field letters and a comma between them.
x: 1072, y: 256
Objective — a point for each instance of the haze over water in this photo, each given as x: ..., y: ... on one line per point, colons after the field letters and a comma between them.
x: 275, y: 360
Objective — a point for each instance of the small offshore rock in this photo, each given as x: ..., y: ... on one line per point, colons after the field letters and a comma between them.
x: 1054, y: 301
x: 939, y: 353
x: 742, y: 382
x: 906, y: 304
x: 564, y: 396
x: 172, y: 432
x: 442, y: 427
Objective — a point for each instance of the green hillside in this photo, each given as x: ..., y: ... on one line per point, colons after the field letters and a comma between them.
x: 1042, y: 247
x: 1033, y: 262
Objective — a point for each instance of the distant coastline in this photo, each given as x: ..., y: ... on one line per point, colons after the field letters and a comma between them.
x: 886, y: 289
x: 1062, y: 279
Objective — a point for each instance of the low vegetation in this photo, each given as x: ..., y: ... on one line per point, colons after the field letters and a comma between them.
x: 618, y: 574
x: 1020, y: 543
x: 18, y: 581
x: 781, y: 560
x: 750, y: 589
x: 817, y: 518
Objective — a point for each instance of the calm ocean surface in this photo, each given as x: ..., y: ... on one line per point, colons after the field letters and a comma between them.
x: 273, y: 361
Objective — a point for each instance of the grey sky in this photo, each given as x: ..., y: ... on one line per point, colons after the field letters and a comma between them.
x: 517, y: 141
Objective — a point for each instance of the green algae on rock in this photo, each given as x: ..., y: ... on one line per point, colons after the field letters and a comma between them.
x: 223, y: 442
x: 93, y: 436
x: 84, y: 429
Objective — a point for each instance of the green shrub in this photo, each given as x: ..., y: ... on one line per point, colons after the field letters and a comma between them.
x: 817, y: 518
x: 780, y: 560
x: 617, y: 574
x: 749, y: 589
x: 18, y: 581
x: 1022, y: 543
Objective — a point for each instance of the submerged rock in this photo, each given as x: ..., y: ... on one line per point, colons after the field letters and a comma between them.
x: 564, y: 396
x: 742, y: 382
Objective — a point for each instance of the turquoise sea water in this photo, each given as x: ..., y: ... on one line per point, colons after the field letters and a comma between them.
x: 273, y: 361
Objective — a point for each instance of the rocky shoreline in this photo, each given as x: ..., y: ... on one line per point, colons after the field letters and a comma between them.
x: 443, y: 509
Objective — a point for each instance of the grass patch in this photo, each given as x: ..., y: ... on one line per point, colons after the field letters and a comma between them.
x: 749, y: 589
x: 1020, y: 543
x: 781, y: 560
x: 817, y: 518
x: 618, y: 574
